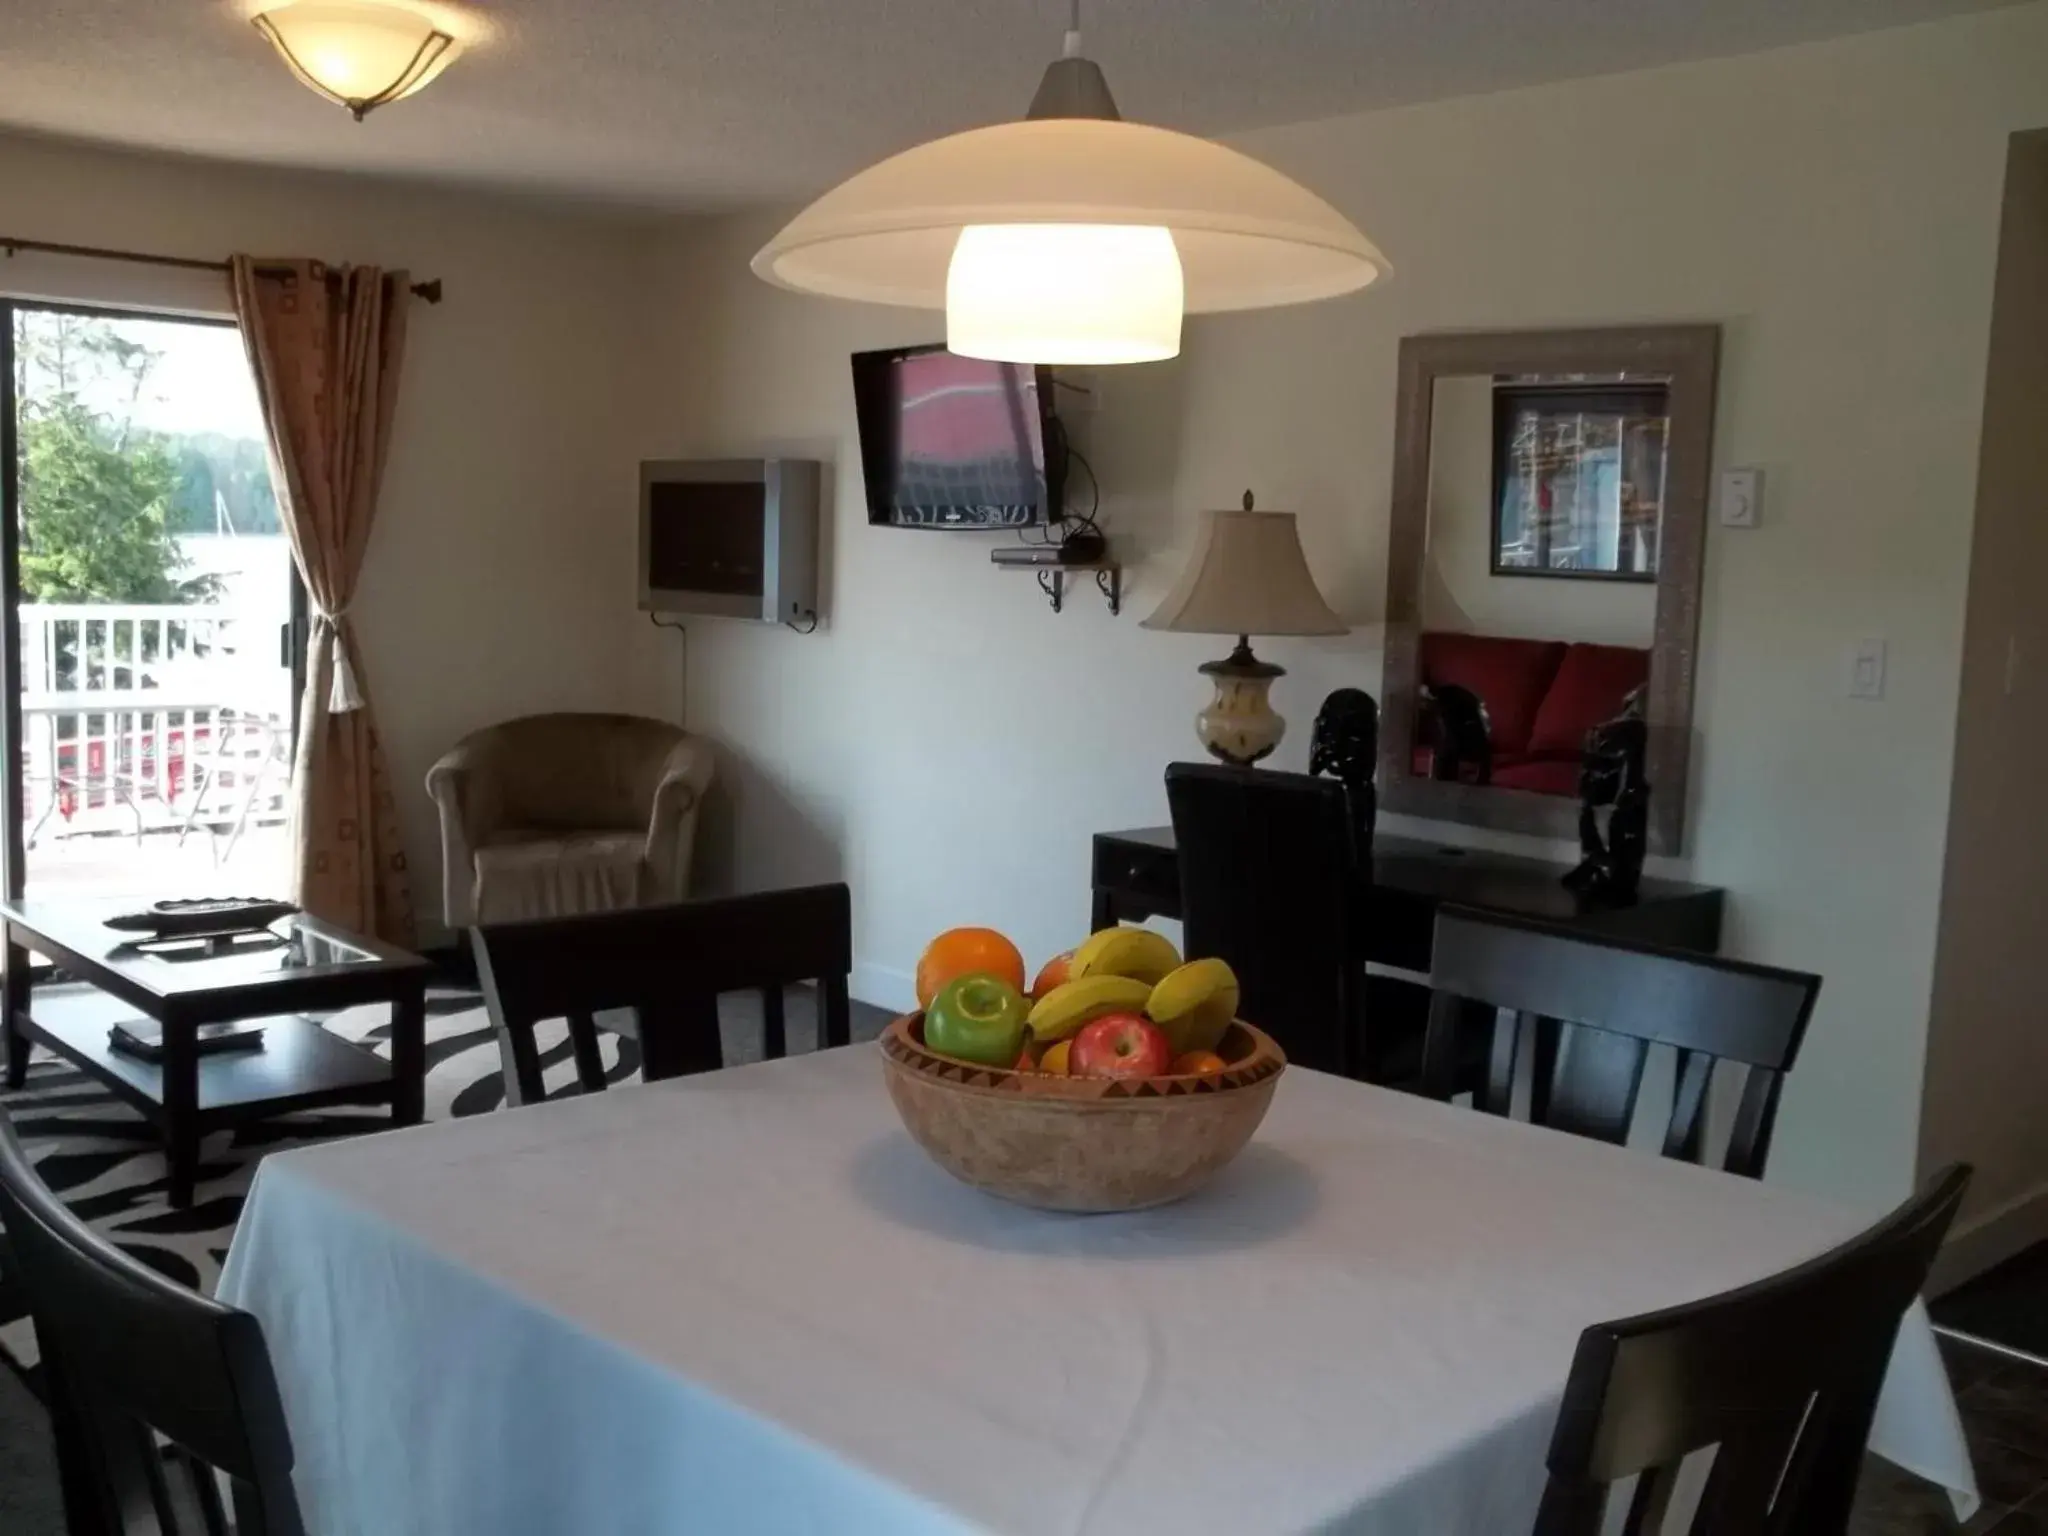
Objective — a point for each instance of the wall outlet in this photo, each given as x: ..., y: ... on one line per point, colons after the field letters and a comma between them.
x: 1866, y: 670
x: 1741, y: 498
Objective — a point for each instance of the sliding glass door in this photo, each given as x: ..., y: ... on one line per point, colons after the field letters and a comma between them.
x: 150, y: 644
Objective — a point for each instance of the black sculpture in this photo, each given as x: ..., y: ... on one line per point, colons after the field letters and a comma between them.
x: 1462, y: 739
x: 1611, y: 777
x: 1346, y: 745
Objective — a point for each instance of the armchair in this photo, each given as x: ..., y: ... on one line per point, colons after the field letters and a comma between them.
x: 552, y: 815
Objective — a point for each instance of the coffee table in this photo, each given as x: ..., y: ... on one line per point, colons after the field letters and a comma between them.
x: 299, y: 965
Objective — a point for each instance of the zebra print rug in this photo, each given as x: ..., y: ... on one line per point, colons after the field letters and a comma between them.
x: 104, y: 1160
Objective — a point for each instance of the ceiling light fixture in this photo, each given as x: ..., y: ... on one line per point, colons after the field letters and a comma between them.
x: 1072, y: 236
x: 359, y: 54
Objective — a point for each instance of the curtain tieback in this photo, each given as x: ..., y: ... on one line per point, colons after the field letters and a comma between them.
x: 343, y: 693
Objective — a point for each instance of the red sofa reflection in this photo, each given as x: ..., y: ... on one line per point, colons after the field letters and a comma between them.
x: 1541, y: 698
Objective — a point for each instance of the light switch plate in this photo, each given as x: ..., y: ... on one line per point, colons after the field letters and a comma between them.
x: 1741, y: 498
x: 1866, y: 670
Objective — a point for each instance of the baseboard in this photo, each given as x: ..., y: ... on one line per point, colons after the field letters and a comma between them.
x: 1990, y: 1238
x: 883, y: 986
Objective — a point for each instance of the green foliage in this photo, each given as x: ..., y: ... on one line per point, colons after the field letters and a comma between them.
x: 95, y: 517
x: 219, y: 474
x: 101, y: 501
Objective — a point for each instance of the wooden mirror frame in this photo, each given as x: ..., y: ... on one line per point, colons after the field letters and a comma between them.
x: 1689, y: 355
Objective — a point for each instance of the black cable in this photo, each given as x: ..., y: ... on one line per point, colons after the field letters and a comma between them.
x: 811, y: 628
x: 660, y: 623
x: 1075, y: 456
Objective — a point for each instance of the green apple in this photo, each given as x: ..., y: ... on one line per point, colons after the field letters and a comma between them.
x: 978, y: 1018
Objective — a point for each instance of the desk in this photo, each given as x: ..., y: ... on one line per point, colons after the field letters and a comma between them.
x: 1137, y: 875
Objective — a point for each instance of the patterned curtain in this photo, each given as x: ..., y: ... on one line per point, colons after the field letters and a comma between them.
x: 325, y: 344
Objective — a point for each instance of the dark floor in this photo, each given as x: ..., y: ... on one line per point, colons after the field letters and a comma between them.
x: 2008, y: 1305
x: 2004, y: 1405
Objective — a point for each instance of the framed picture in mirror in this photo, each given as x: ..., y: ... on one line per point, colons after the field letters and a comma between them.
x: 1578, y: 476
x: 1549, y: 514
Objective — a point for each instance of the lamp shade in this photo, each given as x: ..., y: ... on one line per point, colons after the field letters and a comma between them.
x: 1247, y: 576
x: 1247, y: 236
x: 359, y: 54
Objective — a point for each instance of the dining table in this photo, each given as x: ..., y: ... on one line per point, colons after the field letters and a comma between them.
x: 746, y: 1302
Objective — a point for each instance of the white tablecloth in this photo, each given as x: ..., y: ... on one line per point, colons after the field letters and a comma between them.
x: 746, y: 1302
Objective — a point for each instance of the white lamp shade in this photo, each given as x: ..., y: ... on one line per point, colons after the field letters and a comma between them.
x: 1247, y: 237
x: 356, y: 53
x: 1247, y: 576
x: 1078, y: 294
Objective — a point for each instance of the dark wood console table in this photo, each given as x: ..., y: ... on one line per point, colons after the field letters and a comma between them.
x: 1137, y: 875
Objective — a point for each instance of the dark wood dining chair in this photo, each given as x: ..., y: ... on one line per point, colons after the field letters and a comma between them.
x: 1271, y: 884
x: 129, y: 1356
x: 669, y: 965
x: 1589, y: 1009
x: 1782, y: 1377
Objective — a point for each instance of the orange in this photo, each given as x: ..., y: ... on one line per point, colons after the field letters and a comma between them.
x: 1052, y: 974
x: 1197, y: 1064
x: 1055, y: 1059
x: 958, y: 951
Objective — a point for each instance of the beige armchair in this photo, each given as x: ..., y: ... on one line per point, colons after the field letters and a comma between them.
x: 557, y: 814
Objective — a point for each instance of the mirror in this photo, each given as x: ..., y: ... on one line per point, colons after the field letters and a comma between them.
x: 1549, y: 504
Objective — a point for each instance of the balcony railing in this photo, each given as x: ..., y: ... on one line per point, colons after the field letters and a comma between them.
x: 136, y: 718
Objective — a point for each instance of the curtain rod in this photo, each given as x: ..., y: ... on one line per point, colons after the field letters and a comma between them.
x: 429, y: 290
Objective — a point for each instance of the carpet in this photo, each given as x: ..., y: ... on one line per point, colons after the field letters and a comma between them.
x: 105, y: 1161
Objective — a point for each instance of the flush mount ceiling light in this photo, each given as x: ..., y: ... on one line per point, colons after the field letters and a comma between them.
x: 359, y: 54
x: 1073, y: 236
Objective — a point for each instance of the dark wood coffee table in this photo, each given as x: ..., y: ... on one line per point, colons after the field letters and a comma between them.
x: 309, y: 967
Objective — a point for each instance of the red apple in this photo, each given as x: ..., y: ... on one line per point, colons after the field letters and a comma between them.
x: 1120, y: 1045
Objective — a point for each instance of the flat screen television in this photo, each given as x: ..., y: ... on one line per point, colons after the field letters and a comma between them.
x: 956, y: 442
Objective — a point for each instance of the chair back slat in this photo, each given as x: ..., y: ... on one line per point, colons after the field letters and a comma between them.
x: 129, y: 1355
x: 1588, y: 1008
x: 1780, y: 1379
x: 667, y: 964
x: 583, y: 1047
x: 1593, y: 1081
x: 1685, y: 1138
x: 1270, y: 884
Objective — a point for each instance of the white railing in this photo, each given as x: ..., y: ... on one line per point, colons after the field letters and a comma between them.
x: 137, y: 717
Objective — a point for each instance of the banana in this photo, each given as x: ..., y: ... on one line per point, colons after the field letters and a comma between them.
x: 1061, y: 1012
x: 1138, y: 953
x: 1194, y: 1005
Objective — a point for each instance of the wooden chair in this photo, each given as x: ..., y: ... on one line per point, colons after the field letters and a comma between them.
x: 1590, y: 1008
x: 1270, y: 883
x: 1782, y: 1376
x: 669, y: 965
x: 129, y: 1355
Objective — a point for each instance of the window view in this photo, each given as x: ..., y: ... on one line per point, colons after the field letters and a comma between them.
x: 155, y: 601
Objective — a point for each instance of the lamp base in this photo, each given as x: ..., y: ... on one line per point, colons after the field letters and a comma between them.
x: 1239, y: 726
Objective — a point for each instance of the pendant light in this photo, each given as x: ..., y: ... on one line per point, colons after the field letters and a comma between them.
x: 359, y: 54
x: 1072, y: 236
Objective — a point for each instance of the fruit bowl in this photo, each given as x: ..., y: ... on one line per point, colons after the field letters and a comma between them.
x: 1080, y: 1143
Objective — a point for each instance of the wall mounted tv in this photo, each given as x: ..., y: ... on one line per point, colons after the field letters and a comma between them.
x: 956, y: 442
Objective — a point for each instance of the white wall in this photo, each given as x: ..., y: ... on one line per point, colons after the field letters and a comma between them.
x: 1460, y: 592
x: 949, y: 744
x: 499, y: 579
x: 1987, y: 1058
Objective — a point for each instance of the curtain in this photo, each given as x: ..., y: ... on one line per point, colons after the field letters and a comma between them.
x: 325, y: 345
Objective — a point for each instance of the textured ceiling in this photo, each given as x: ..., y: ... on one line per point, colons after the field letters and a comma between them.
x: 697, y: 103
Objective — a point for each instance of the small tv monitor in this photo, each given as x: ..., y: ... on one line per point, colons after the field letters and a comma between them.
x: 956, y: 442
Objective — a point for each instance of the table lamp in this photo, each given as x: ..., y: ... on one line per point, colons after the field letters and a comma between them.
x: 1247, y: 576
